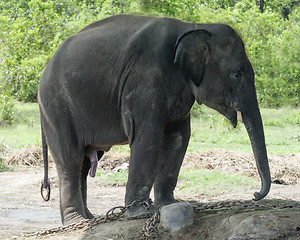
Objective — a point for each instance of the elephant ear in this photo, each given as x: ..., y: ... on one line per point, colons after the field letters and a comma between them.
x: 191, y: 53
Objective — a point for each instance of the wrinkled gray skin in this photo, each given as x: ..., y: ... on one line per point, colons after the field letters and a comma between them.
x: 131, y: 79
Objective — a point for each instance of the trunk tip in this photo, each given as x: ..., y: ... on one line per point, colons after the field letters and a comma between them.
x: 259, y: 195
x: 266, y: 185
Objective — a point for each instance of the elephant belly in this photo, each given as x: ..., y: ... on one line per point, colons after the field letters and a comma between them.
x: 106, y: 137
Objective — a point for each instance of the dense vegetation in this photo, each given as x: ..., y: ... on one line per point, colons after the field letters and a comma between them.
x: 31, y: 31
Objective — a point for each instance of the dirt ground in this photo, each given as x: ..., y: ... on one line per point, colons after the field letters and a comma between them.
x: 23, y: 211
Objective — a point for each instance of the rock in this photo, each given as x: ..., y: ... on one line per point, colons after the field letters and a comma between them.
x: 177, y: 216
x: 265, y: 225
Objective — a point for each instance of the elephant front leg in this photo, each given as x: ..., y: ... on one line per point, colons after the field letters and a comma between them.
x: 143, y: 165
x: 174, y: 148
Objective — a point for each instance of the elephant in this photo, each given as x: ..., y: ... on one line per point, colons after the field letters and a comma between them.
x: 132, y: 80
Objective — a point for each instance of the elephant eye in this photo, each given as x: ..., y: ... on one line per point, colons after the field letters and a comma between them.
x: 236, y: 75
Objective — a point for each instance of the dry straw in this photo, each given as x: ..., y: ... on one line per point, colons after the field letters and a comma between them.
x: 285, y: 168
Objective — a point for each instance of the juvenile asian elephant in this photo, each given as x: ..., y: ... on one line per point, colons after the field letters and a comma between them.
x: 132, y: 79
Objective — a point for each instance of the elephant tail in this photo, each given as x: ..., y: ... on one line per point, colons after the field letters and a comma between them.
x: 45, y: 184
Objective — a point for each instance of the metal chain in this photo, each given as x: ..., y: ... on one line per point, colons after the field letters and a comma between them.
x: 111, y: 215
x: 85, y: 223
x: 243, y: 204
x: 150, y: 230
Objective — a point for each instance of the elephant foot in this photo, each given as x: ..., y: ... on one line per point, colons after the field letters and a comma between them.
x: 89, y: 215
x: 72, y: 218
x: 140, y: 211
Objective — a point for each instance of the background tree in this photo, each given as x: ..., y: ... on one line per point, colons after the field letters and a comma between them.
x: 32, y: 30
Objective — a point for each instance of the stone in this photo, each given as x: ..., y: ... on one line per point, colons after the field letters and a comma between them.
x: 177, y: 216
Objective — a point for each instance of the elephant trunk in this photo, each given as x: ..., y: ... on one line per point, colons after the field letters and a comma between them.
x: 253, y: 123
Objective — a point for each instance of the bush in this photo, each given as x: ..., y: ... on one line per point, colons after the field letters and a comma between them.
x: 7, y: 114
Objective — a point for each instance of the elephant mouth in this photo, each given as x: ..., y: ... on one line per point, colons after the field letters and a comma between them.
x: 234, y: 116
x: 231, y: 114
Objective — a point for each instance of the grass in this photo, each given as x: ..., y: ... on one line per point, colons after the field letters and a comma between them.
x: 192, y: 181
x: 109, y: 178
x: 210, y: 130
x: 26, y: 132
x: 211, y: 182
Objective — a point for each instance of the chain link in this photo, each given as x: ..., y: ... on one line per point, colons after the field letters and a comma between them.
x: 150, y: 230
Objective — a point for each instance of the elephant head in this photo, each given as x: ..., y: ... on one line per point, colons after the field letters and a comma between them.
x: 221, y: 76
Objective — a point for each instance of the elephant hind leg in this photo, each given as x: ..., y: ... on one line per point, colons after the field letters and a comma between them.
x: 71, y: 204
x: 84, y: 173
x: 69, y: 163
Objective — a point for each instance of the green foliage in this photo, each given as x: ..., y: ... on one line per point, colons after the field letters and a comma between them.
x: 32, y: 30
x: 3, y: 167
x: 196, y: 110
x: 3, y: 152
x: 293, y: 118
x: 7, y: 111
x: 26, y: 130
x: 275, y: 57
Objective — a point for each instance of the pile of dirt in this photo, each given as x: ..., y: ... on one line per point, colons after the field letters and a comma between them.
x: 285, y: 169
x: 231, y: 224
x: 222, y: 160
x: 111, y: 162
